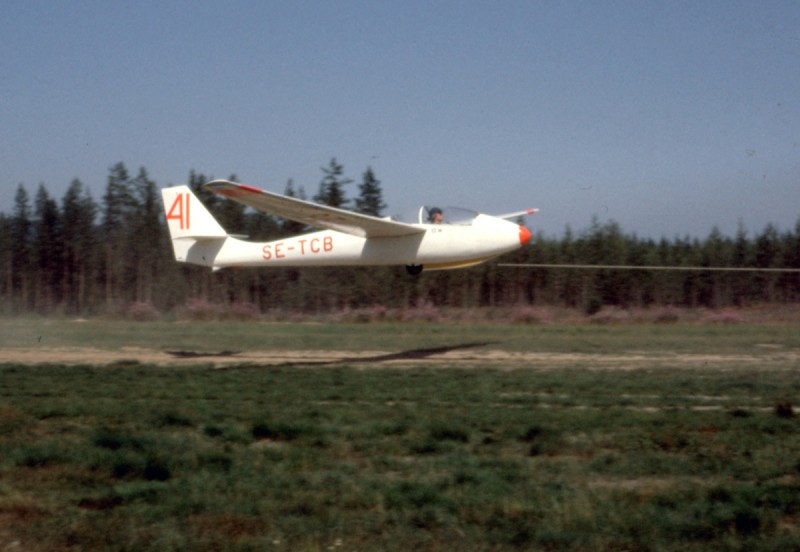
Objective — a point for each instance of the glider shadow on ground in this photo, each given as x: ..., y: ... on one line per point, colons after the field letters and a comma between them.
x: 411, y: 354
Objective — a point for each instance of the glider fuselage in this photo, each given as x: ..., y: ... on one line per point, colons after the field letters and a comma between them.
x: 350, y: 239
x: 439, y: 246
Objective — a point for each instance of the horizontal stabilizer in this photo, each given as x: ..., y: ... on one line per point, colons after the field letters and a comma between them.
x: 518, y: 214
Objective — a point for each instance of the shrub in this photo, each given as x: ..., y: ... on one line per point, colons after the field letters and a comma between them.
x: 784, y: 410
x: 415, y: 495
x: 227, y: 432
x: 423, y: 312
x: 201, y: 310
x: 128, y: 465
x: 40, y: 455
x: 723, y: 317
x: 217, y: 462
x: 213, y: 431
x: 156, y: 469
x: 542, y: 440
x: 114, y: 440
x: 172, y: 418
x: 360, y: 316
x: 243, y: 312
x: 526, y: 314
x: 280, y: 431
x: 142, y: 312
x: 611, y: 315
x: 109, y: 440
x: 666, y: 315
x: 449, y: 433
x: 593, y: 306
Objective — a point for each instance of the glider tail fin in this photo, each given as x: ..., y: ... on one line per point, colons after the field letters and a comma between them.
x: 195, y: 233
x: 187, y: 217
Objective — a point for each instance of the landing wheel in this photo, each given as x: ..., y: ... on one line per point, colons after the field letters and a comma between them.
x: 414, y: 270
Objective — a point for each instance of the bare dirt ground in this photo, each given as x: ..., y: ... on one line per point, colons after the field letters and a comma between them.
x: 467, y: 356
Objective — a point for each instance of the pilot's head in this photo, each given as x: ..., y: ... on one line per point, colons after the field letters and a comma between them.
x: 435, y: 215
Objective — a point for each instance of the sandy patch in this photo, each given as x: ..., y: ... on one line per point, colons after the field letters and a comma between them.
x: 461, y: 356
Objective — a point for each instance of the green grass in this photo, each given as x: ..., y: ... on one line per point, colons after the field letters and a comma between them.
x: 307, y: 458
x: 394, y: 336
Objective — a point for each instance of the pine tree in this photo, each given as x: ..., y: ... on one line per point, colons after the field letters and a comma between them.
x: 147, y: 239
x: 768, y: 255
x: 21, y: 237
x: 118, y: 214
x: 201, y: 283
x: 744, y: 288
x: 331, y: 188
x: 78, y: 213
x: 717, y: 251
x: 231, y: 214
x: 47, y: 248
x: 370, y: 199
x: 6, y: 283
x: 292, y: 227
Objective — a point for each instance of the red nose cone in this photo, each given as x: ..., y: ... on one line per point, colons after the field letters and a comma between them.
x: 524, y: 235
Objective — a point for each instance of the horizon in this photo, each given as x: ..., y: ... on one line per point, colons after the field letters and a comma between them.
x: 577, y: 232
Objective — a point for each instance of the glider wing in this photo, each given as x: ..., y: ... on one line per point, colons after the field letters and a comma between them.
x: 312, y: 214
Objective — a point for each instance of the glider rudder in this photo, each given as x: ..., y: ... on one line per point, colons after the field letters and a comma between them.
x: 187, y: 217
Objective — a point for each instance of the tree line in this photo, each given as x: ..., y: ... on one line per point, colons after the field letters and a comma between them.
x: 78, y: 257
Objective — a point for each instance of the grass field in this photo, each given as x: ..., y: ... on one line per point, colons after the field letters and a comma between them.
x: 426, y: 456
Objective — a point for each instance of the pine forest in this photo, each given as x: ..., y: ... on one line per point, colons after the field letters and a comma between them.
x: 81, y: 256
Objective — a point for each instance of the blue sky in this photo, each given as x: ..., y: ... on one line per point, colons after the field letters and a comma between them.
x: 668, y: 117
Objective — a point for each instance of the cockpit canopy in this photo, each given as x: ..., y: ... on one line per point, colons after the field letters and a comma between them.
x: 451, y: 215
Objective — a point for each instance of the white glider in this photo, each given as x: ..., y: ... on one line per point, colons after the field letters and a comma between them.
x: 346, y: 239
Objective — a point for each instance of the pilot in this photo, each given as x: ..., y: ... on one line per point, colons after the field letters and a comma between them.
x: 435, y: 215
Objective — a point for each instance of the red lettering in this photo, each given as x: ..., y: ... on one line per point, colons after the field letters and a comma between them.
x: 266, y: 252
x: 302, y: 246
x: 180, y: 211
x: 315, y: 245
x: 327, y: 243
x: 279, y: 254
